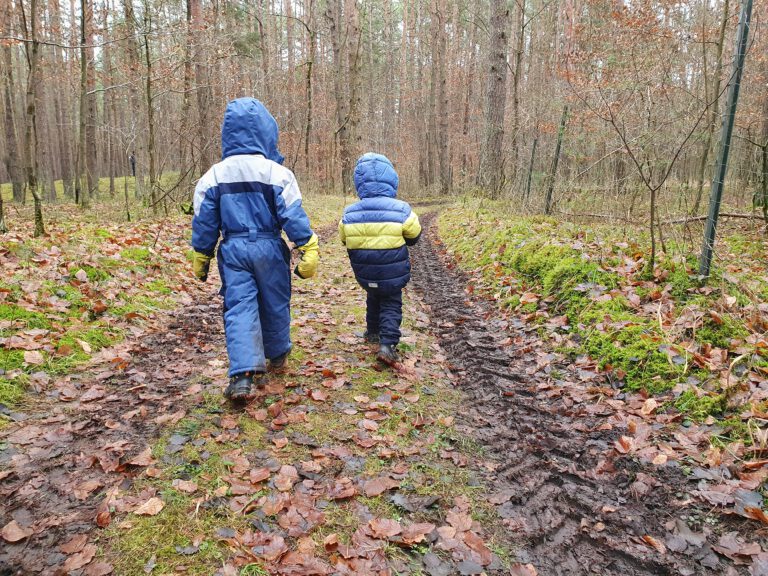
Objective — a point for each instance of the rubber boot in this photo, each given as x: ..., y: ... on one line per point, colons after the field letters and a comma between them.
x: 371, y: 337
x: 240, y: 386
x: 278, y: 364
x: 388, y: 354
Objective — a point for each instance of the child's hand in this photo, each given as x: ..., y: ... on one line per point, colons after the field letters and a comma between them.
x: 200, y: 266
x: 310, y: 254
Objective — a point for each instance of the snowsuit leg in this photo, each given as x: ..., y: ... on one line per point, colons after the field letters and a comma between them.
x: 274, y: 282
x: 242, y: 323
x: 372, y: 311
x: 390, y: 313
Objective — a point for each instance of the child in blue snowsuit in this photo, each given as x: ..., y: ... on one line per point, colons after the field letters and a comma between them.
x: 377, y: 231
x: 248, y: 198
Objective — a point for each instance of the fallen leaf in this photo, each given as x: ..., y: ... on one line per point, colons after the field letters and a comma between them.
x: 84, y: 489
x: 259, y: 475
x: 523, y: 570
x: 77, y: 561
x: 286, y: 478
x: 99, y: 569
x: 184, y: 486
x: 144, y: 458
x: 384, y: 527
x: 416, y: 533
x: 649, y: 406
x: 34, y: 357
x: 657, y: 544
x: 623, y: 445
x: 85, y: 346
x: 12, y: 532
x: 75, y: 544
x: 151, y: 507
x: 378, y: 486
x: 756, y: 514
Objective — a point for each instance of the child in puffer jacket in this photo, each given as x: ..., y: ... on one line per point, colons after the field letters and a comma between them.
x: 377, y: 231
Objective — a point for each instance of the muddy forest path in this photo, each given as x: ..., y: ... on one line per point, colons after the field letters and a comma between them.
x: 476, y: 455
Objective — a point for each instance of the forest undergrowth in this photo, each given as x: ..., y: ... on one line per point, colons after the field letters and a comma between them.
x: 695, y: 353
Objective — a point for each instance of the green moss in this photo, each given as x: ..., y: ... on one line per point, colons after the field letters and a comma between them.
x: 158, y: 286
x: 27, y: 318
x: 96, y: 338
x: 95, y: 274
x: 137, y: 254
x: 733, y: 429
x: 11, y: 359
x: 11, y: 391
x: 700, y: 407
x: 721, y: 334
x: 681, y: 282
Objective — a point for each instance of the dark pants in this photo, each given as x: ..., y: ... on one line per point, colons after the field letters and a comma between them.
x: 384, y: 314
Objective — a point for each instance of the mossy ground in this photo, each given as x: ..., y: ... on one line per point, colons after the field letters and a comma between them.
x: 588, y: 274
x: 133, y: 271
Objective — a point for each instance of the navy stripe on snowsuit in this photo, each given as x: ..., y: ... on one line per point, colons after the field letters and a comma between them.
x: 247, y: 199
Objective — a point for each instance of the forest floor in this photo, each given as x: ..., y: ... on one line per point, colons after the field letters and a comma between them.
x: 488, y: 450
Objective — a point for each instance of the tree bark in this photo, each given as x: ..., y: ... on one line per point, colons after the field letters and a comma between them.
x: 491, y: 175
x: 203, y: 90
x: 11, y: 158
x: 548, y: 201
x: 32, y: 49
x: 713, y: 100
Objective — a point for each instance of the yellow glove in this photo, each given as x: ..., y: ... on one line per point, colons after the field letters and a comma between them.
x: 200, y: 266
x: 310, y: 253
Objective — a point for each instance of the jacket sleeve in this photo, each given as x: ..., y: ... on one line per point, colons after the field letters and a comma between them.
x: 290, y: 213
x: 206, y: 223
x: 342, y: 233
x: 411, y: 229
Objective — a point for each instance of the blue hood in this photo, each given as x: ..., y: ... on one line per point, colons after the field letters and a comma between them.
x: 249, y: 128
x: 375, y: 176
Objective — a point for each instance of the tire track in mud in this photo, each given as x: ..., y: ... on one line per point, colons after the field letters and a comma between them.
x: 566, y: 501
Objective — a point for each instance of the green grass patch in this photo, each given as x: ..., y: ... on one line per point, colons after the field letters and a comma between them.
x: 27, y: 319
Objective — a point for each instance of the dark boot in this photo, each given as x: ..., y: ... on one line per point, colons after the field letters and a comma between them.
x: 388, y: 354
x: 240, y: 386
x: 371, y: 337
x: 279, y: 363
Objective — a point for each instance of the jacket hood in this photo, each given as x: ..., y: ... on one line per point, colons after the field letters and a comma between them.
x: 249, y: 128
x: 375, y: 176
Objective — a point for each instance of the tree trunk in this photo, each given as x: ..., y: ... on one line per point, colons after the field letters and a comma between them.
x: 516, y: 89
x: 713, y: 100
x: 11, y: 158
x: 354, y: 39
x: 32, y: 49
x: 203, y: 90
x: 530, y: 167
x: 82, y: 172
x: 469, y: 83
x: 91, y: 154
x: 440, y: 109
x: 308, y: 89
x: 491, y: 174
x: 153, y: 196
x: 555, y: 161
x: 333, y: 13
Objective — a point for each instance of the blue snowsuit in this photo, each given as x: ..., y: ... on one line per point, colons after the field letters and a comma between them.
x: 377, y: 231
x: 248, y: 198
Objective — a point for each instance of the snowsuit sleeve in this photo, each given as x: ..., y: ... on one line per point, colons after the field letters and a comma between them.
x: 206, y: 223
x: 411, y: 228
x: 290, y: 213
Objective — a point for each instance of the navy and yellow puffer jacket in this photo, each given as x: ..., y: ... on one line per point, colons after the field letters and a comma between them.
x: 378, y: 229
